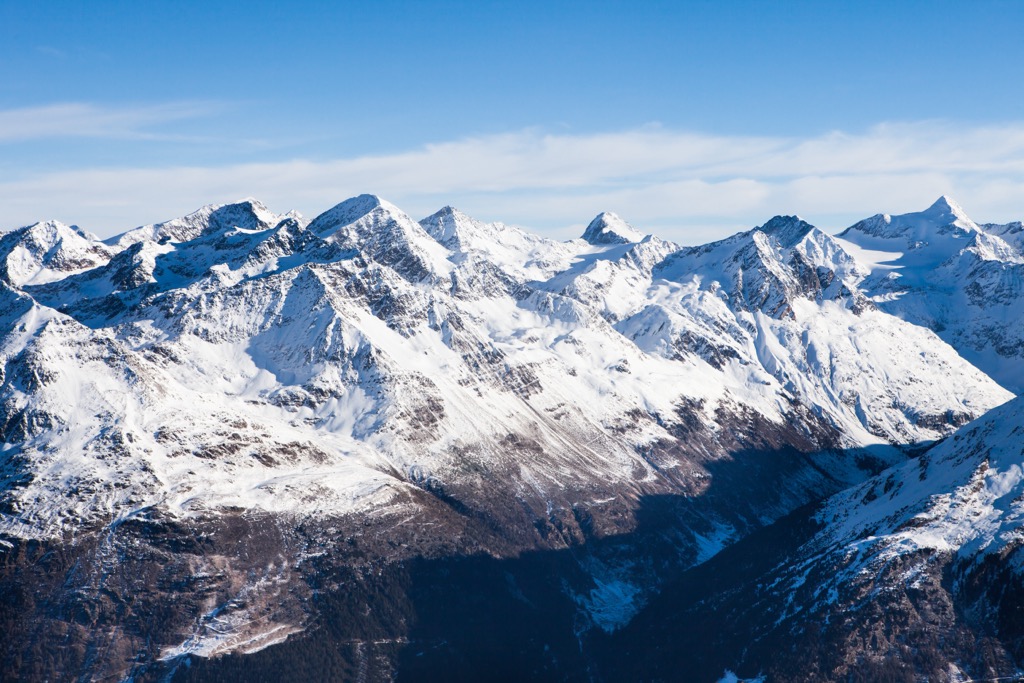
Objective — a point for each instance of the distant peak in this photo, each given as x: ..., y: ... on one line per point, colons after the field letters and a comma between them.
x: 248, y: 214
x: 249, y: 204
x: 47, y: 226
x: 781, y: 222
x: 788, y: 230
x: 945, y: 203
x: 360, y: 204
x: 350, y: 211
x: 444, y: 214
x: 368, y: 202
x: 943, y: 218
x: 443, y: 225
x: 55, y: 230
x: 608, y: 228
x: 945, y: 207
x: 253, y: 202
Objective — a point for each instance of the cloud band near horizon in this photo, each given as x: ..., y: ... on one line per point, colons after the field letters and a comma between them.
x: 683, y: 185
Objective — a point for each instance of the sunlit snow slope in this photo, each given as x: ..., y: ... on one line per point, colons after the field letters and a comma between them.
x: 234, y: 358
x: 939, y: 269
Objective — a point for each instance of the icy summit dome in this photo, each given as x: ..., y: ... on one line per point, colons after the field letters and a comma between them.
x: 608, y: 228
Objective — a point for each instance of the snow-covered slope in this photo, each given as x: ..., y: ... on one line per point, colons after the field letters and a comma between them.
x: 778, y: 305
x: 443, y: 386
x: 939, y: 269
x: 963, y: 497
x: 370, y: 353
x: 915, y: 574
x: 937, y: 545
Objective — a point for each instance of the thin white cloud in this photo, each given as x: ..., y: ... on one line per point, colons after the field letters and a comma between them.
x: 686, y: 186
x: 50, y: 51
x: 73, y: 119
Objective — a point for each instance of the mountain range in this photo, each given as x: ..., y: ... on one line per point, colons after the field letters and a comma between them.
x: 237, y: 444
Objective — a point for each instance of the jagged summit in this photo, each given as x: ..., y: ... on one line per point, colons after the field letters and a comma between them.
x: 771, y: 268
x: 350, y: 211
x: 52, y: 232
x: 608, y: 228
x: 946, y: 212
x: 384, y: 233
x: 248, y: 214
x: 47, y: 250
x: 444, y: 225
x: 447, y: 211
x: 939, y: 269
x: 787, y: 230
x: 485, y: 249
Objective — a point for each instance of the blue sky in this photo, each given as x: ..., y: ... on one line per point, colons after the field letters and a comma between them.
x: 691, y: 119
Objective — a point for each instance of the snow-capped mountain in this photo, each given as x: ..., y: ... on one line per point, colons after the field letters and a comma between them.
x: 365, y: 388
x: 365, y: 336
x: 48, y: 251
x: 249, y: 214
x: 939, y: 269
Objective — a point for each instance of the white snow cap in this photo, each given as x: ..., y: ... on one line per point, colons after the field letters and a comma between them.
x: 945, y: 211
x: 443, y: 225
x: 788, y: 230
x: 943, y: 217
x: 608, y: 228
x: 349, y: 211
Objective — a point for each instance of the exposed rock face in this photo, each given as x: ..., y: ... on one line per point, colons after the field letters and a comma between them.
x: 216, y: 428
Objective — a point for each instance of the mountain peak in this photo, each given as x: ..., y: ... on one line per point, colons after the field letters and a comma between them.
x: 350, y: 211
x: 946, y: 210
x: 787, y: 230
x: 384, y: 233
x: 942, y: 220
x: 445, y: 215
x: 52, y: 231
x: 447, y: 211
x: 608, y: 228
x: 248, y: 214
x: 47, y: 250
x: 444, y: 225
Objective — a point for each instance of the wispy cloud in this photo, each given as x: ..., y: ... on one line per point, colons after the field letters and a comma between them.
x: 50, y: 51
x: 687, y: 186
x: 72, y: 119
